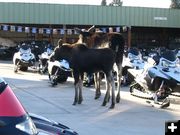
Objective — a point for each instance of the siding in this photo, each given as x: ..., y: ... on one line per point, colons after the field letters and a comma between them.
x: 33, y: 13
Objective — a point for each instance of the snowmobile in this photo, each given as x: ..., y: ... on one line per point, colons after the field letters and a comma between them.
x: 43, y: 59
x: 24, y: 58
x: 157, y: 80
x: 58, y: 71
x: 132, y: 60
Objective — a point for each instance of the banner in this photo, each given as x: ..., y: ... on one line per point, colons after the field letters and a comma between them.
x: 61, y: 31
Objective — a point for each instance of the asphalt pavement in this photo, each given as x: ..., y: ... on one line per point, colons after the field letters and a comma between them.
x: 132, y: 116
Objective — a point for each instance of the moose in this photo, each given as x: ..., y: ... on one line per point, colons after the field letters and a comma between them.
x: 112, y: 40
x: 90, y: 60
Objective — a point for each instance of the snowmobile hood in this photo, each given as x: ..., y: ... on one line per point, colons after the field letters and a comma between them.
x: 9, y: 104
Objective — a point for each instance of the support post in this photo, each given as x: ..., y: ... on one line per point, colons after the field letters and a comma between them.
x: 65, y: 33
x: 129, y: 37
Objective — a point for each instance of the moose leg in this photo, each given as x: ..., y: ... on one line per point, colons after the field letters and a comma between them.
x: 97, y: 85
x: 80, y: 90
x: 111, y: 79
x: 76, y: 85
x: 107, y: 87
x: 119, y: 75
x: 107, y: 96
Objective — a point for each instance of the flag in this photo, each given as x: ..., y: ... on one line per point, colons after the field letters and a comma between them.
x: 110, y: 29
x: 104, y: 30
x: 124, y: 28
x: 62, y: 31
x: 55, y: 31
x: 12, y: 28
x: 75, y: 32
x: 27, y: 29
x: 48, y: 31
x: 19, y: 29
x: 117, y: 29
x: 69, y: 31
x: 34, y: 30
x: 41, y: 30
x: 5, y: 27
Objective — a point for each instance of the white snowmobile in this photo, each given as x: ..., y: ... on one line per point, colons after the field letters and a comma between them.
x: 157, y: 80
x: 58, y: 71
x: 24, y: 58
x: 131, y: 60
x: 43, y: 59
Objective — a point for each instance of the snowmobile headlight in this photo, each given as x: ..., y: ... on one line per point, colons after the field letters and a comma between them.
x: 172, y: 65
x: 167, y: 64
x: 27, y: 126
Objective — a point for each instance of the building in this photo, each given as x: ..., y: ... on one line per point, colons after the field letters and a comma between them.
x: 140, y: 26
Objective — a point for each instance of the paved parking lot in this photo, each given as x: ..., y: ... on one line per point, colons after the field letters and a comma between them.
x: 131, y: 116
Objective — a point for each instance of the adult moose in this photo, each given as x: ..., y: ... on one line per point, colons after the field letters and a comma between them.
x: 83, y: 59
x: 112, y: 40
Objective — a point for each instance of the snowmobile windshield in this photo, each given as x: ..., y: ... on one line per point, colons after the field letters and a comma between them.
x: 25, y: 49
x: 169, y: 59
x: 169, y: 55
x: 133, y: 54
x: 49, y: 51
x: 134, y: 51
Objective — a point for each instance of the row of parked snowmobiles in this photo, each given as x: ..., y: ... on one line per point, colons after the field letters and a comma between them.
x: 26, y: 58
x: 31, y: 52
x: 155, y: 76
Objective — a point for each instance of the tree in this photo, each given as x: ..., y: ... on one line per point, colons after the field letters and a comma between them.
x: 175, y: 4
x: 103, y: 3
x: 116, y: 3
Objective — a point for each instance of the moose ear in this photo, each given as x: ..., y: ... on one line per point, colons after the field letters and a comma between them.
x: 60, y: 42
x: 90, y: 30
